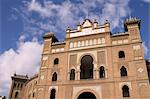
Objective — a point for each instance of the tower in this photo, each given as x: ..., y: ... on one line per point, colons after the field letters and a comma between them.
x: 17, y: 85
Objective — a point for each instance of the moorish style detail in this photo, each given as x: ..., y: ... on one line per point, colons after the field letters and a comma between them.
x: 92, y: 63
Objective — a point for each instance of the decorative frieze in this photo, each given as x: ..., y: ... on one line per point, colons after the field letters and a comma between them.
x: 57, y: 50
x: 87, y: 31
x: 90, y: 42
x: 136, y: 47
x: 116, y: 42
x: 137, y: 52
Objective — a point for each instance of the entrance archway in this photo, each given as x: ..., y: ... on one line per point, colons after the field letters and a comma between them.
x: 86, y: 95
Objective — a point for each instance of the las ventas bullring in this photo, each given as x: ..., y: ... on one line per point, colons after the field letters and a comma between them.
x: 91, y: 63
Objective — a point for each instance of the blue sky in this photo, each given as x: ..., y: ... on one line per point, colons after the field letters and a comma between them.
x: 23, y: 22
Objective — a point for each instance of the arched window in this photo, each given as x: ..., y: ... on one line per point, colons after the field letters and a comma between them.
x: 18, y: 85
x: 123, y: 71
x: 54, y: 77
x: 21, y: 85
x: 125, y: 91
x: 16, y: 94
x: 56, y: 61
x: 72, y: 74
x: 33, y: 94
x: 86, y: 67
x: 14, y: 85
x: 53, y: 93
x: 102, y: 72
x: 121, y: 54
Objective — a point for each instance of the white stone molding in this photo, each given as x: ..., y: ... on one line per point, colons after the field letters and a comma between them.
x: 79, y: 43
x: 96, y: 90
x: 87, y: 31
x: 86, y: 42
x: 106, y: 73
x: 75, y: 44
x: 125, y: 41
x: 121, y: 84
x: 42, y: 77
x: 95, y: 41
x: 91, y: 53
x: 119, y: 41
x: 90, y: 42
x: 58, y: 50
x: 53, y: 87
x: 136, y: 47
x: 103, y: 40
x: 116, y: 42
x: 71, y: 44
x: 140, y: 70
x: 53, y: 50
x: 45, y: 57
x: 143, y: 84
x: 99, y: 41
x: 82, y: 43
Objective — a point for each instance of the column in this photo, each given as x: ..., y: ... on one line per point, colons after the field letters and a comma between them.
x: 68, y: 75
x: 78, y: 73
x: 106, y: 75
x: 95, y: 73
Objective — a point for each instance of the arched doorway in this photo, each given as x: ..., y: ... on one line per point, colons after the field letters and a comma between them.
x: 86, y: 95
x: 86, y: 68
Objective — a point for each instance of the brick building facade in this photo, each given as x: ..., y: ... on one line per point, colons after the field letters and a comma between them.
x: 92, y: 63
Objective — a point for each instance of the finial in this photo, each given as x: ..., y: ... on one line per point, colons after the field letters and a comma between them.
x: 68, y: 29
x: 95, y: 23
x: 106, y: 21
x: 79, y: 26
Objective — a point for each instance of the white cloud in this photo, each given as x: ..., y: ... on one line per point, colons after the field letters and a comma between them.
x: 22, y: 38
x: 25, y: 60
x: 57, y: 17
x: 148, y: 1
x: 35, y: 6
x: 146, y: 50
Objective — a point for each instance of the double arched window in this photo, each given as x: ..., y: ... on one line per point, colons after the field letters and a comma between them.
x: 125, y: 91
x: 56, y: 61
x: 53, y: 94
x: 54, y: 77
x: 121, y: 54
x: 102, y: 72
x: 72, y: 74
x: 123, y: 71
x: 86, y: 67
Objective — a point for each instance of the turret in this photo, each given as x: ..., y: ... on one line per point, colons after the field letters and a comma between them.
x: 95, y: 24
x: 107, y: 26
x: 49, y: 38
x: 132, y: 26
x: 79, y: 27
x: 17, y: 84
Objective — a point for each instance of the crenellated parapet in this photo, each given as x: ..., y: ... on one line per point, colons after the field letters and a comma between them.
x: 131, y: 22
